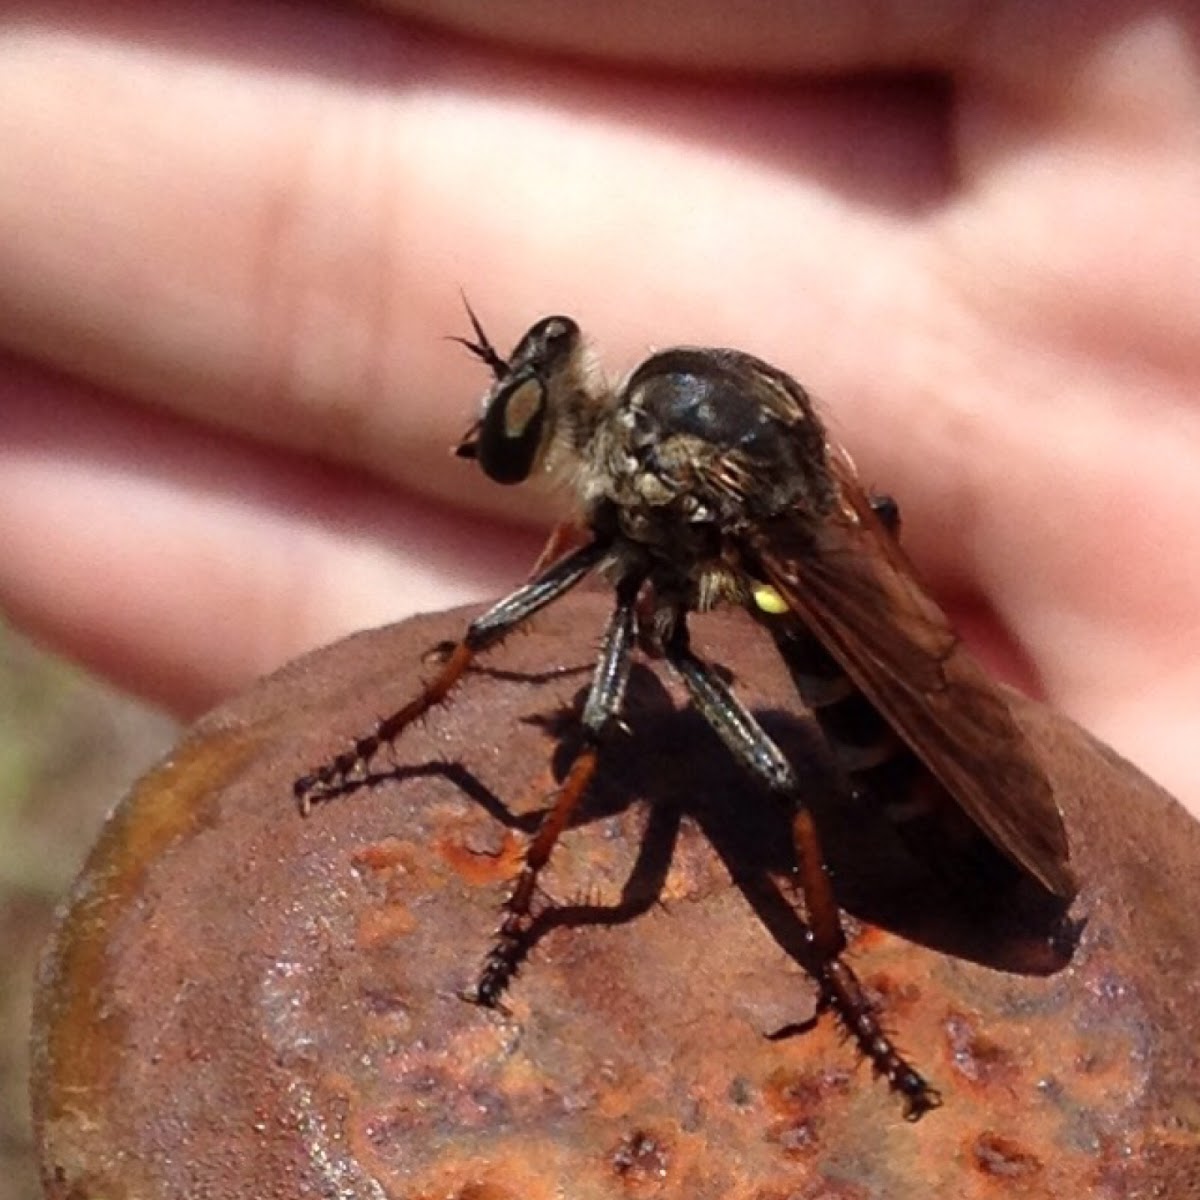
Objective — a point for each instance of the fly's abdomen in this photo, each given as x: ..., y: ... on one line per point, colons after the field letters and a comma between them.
x: 881, y: 769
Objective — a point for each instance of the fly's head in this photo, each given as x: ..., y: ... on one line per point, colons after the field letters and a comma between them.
x: 530, y: 387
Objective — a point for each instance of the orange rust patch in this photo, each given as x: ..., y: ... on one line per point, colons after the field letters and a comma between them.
x: 864, y: 937
x: 897, y: 997
x: 1004, y: 1158
x: 385, y: 856
x: 394, y: 867
x: 797, y: 1094
x: 480, y: 867
x: 382, y: 926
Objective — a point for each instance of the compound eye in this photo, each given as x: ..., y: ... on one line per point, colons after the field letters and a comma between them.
x: 510, y: 433
x: 548, y: 344
x: 558, y: 335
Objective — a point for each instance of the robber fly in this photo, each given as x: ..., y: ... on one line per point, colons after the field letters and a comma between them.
x: 706, y: 477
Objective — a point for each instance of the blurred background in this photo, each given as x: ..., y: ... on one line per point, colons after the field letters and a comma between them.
x: 69, y: 748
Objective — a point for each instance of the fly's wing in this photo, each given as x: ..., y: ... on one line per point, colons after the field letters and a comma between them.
x: 851, y: 584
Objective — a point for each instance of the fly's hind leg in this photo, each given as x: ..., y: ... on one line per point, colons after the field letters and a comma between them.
x: 840, y: 988
x: 603, y: 703
x: 349, y: 768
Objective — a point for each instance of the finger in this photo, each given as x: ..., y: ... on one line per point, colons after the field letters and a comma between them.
x: 185, y: 565
x: 764, y: 36
x: 273, y: 239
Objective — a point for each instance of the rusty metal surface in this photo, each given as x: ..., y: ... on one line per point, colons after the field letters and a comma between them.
x: 243, y: 1003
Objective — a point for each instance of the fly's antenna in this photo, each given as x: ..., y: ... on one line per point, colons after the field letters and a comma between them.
x: 481, y: 347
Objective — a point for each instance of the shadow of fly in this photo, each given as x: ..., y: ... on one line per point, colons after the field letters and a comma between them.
x: 707, y: 478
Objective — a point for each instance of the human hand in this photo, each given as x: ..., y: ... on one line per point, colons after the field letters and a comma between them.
x: 231, y: 243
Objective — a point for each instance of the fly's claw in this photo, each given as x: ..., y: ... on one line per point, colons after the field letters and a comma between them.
x: 916, y: 1095
x: 338, y: 776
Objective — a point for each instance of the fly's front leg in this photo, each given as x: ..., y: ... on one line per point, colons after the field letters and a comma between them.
x: 604, y: 700
x: 351, y: 766
x: 564, y: 536
x: 840, y: 988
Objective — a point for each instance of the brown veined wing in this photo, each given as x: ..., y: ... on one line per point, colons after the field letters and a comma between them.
x: 852, y: 585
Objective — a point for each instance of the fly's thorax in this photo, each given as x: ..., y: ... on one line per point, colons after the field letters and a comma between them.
x: 708, y: 437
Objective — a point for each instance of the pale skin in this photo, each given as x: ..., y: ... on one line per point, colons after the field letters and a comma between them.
x: 232, y: 238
